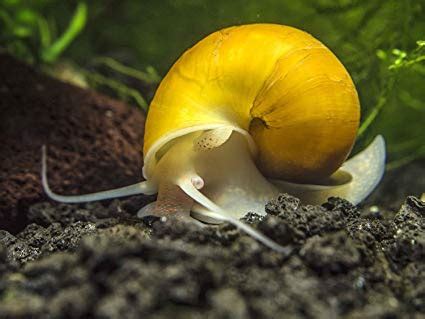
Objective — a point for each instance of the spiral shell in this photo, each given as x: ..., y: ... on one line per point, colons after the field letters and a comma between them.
x: 284, y: 87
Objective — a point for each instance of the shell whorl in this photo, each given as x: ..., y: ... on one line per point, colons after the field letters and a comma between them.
x: 280, y: 84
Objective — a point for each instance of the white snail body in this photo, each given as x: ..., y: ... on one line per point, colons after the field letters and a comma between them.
x: 248, y: 112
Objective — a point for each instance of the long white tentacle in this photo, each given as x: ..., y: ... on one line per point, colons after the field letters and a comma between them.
x: 138, y: 188
x: 217, y: 213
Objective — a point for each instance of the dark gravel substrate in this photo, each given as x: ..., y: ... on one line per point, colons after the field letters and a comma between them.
x: 97, y: 261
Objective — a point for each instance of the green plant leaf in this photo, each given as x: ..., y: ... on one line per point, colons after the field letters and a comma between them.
x: 78, y: 21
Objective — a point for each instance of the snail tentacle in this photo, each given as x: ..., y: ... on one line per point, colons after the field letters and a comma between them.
x: 197, y: 196
x: 217, y: 213
x: 144, y: 187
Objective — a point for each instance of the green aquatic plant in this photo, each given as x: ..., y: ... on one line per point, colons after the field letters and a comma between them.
x: 52, y: 50
x: 123, y: 91
x: 402, y: 66
x: 150, y: 76
x: 397, y: 60
x: 30, y: 35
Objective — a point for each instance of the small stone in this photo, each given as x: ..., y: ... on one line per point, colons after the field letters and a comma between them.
x: 416, y: 204
x: 229, y: 304
x: 334, y: 254
x: 374, y: 209
x: 284, y: 202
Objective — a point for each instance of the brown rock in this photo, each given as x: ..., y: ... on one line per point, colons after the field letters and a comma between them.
x: 94, y: 142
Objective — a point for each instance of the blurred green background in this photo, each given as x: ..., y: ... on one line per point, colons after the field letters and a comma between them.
x: 126, y: 46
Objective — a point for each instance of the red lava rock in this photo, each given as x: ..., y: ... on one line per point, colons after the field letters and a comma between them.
x: 94, y: 142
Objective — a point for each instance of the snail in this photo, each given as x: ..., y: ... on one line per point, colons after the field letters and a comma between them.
x: 249, y: 112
